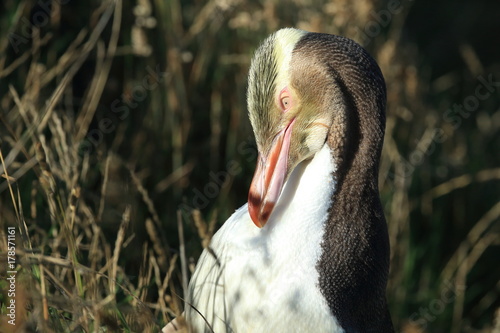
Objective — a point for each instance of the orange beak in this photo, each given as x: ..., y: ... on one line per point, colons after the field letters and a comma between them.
x: 269, y: 178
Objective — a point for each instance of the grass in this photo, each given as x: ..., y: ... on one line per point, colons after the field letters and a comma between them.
x: 124, y: 143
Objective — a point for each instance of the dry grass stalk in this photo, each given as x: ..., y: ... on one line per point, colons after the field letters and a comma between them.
x: 158, y: 247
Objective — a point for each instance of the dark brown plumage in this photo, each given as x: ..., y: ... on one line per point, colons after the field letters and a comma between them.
x: 355, y: 260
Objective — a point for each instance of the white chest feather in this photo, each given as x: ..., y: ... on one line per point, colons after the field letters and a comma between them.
x: 265, y: 280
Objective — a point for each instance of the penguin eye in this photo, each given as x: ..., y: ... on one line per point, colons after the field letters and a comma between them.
x: 285, y: 100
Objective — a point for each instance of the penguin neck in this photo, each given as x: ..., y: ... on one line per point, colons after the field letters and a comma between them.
x: 298, y: 220
x: 354, y: 262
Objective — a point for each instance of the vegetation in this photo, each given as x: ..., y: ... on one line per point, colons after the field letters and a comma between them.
x: 125, y: 143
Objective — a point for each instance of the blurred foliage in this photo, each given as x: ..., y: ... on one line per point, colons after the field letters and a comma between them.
x: 119, y: 119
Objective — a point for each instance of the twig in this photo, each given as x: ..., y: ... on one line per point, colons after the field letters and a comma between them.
x: 182, y: 249
x: 118, y: 245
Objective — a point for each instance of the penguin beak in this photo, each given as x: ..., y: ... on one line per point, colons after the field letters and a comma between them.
x: 269, y: 177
